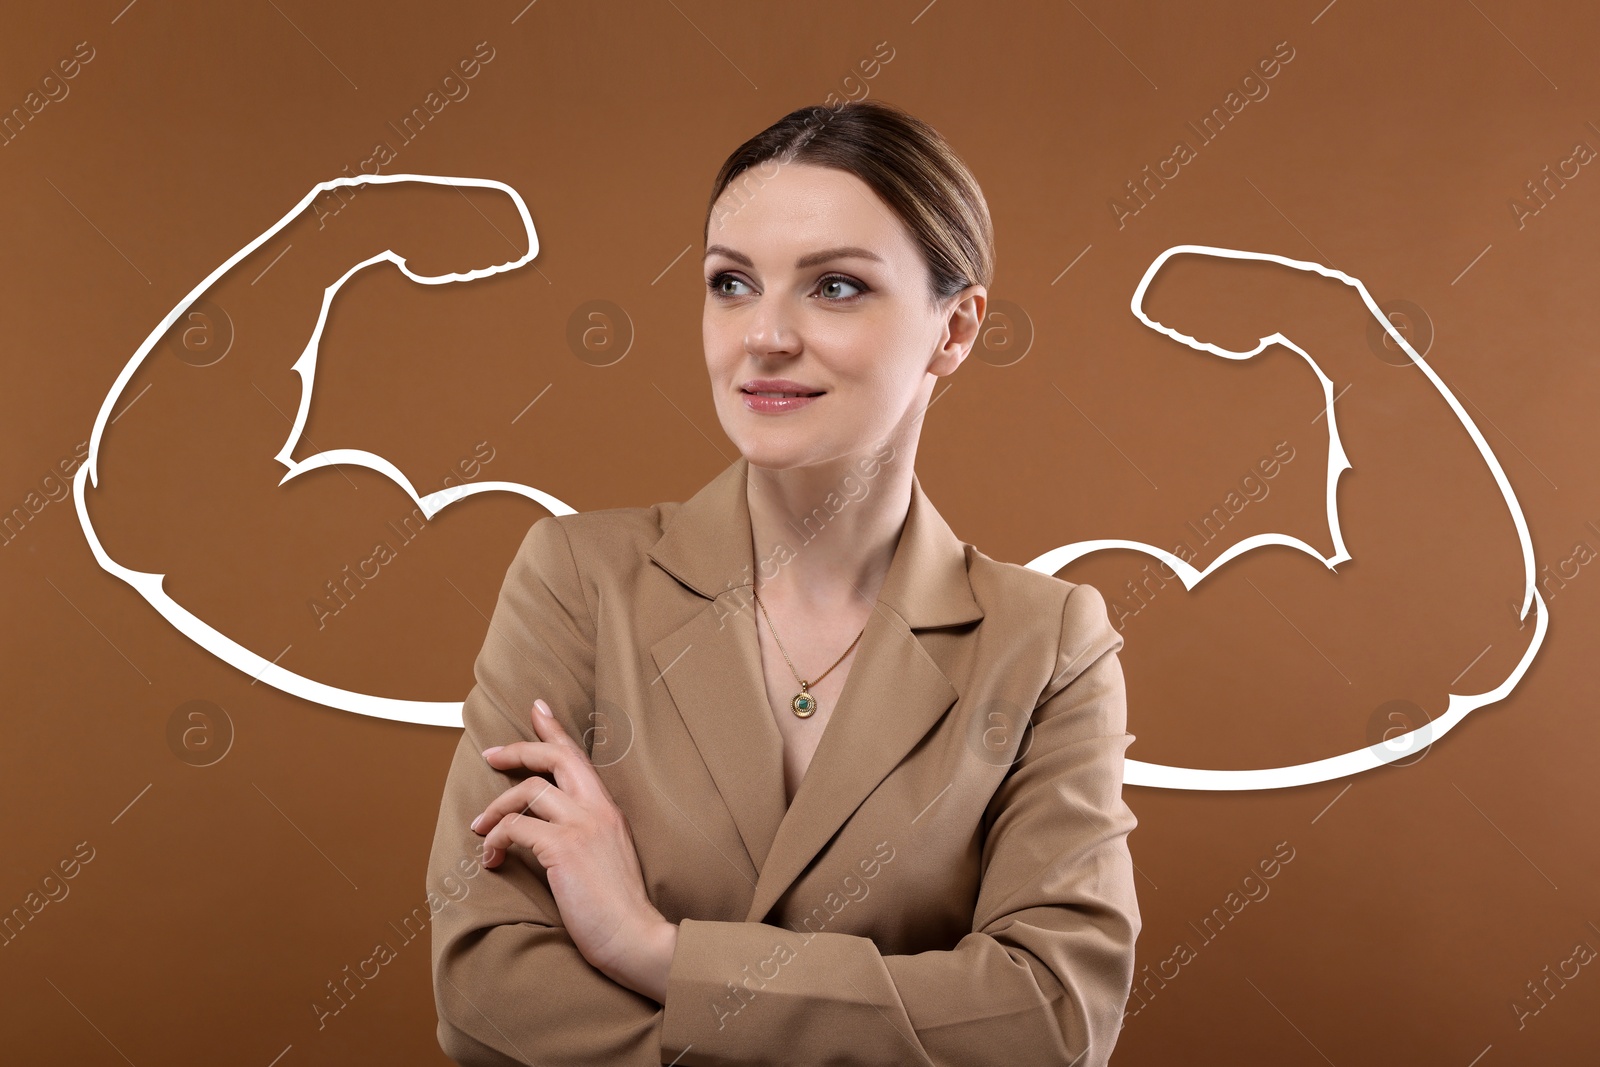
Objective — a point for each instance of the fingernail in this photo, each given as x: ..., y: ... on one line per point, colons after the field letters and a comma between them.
x: 476, y: 821
x: 543, y: 708
x: 491, y: 751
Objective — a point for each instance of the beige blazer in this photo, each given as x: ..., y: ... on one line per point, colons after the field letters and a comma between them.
x: 952, y: 884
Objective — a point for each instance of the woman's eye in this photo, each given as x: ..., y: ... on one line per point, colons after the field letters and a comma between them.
x: 833, y: 287
x: 716, y: 283
x: 832, y: 281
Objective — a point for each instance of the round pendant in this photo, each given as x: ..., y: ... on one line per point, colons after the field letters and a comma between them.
x: 804, y: 705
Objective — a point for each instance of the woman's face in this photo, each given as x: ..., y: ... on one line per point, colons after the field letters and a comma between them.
x: 812, y: 278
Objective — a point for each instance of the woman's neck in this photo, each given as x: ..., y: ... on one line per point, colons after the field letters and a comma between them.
x: 825, y: 536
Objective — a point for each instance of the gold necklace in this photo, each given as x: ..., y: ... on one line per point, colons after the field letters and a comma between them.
x: 804, y: 704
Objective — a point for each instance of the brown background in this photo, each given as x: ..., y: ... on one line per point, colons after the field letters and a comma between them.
x: 221, y: 899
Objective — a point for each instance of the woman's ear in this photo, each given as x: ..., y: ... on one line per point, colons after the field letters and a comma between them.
x: 963, y: 318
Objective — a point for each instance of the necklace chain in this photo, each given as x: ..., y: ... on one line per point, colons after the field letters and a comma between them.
x: 804, y: 704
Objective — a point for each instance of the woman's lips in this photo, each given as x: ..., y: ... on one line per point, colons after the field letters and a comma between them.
x: 774, y: 405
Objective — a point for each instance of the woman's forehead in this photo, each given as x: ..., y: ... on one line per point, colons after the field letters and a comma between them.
x: 803, y: 211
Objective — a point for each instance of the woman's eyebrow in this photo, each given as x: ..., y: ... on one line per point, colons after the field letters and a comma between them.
x: 811, y: 260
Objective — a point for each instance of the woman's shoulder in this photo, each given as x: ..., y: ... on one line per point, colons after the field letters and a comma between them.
x: 612, y: 524
x: 605, y: 541
x: 1015, y: 592
x: 996, y: 582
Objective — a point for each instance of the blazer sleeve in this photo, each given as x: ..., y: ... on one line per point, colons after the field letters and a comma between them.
x: 1043, y: 977
x: 509, y: 984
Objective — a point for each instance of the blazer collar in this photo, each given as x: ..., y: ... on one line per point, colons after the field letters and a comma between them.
x: 894, y: 694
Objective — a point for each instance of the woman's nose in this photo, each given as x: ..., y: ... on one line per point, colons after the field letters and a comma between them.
x: 769, y: 332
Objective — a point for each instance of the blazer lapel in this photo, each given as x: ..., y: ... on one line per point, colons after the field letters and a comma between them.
x: 711, y: 665
x: 892, y: 697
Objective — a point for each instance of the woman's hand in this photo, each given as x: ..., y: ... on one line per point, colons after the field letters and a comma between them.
x: 579, y: 835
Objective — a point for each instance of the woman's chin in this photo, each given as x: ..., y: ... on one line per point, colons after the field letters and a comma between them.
x: 775, y: 454
x: 771, y: 458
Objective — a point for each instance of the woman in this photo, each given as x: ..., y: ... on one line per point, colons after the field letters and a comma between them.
x: 829, y: 784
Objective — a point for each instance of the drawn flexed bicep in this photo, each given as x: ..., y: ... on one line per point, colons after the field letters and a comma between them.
x: 205, y: 479
x: 1425, y: 543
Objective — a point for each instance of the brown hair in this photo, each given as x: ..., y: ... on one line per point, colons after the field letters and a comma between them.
x: 902, y: 159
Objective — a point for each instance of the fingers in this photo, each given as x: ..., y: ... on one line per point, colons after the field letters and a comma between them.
x: 574, y: 773
x: 555, y: 751
x: 535, y: 796
x: 517, y: 828
x: 520, y: 814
